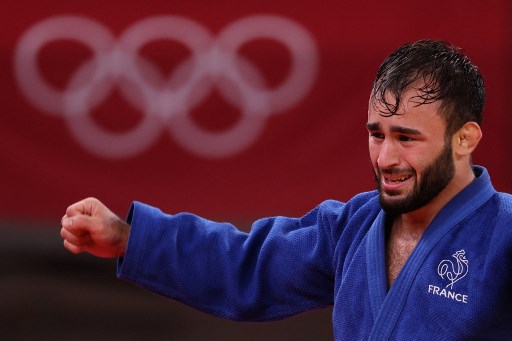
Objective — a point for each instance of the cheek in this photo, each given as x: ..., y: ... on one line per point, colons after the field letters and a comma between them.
x: 424, y: 157
x: 374, y: 154
x: 420, y: 161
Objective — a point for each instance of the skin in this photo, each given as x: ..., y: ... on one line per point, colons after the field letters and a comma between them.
x: 89, y: 226
x: 402, y: 147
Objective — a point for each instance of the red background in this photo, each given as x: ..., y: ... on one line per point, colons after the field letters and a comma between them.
x: 313, y: 151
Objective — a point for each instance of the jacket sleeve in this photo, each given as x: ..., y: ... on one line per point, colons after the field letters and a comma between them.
x: 282, y: 267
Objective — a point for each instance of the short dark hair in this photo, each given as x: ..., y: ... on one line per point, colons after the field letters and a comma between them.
x: 447, y: 73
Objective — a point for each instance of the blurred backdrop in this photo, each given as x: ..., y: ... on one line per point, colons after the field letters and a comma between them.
x: 231, y: 110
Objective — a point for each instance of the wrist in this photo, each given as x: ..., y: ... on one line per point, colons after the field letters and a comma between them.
x: 123, y: 236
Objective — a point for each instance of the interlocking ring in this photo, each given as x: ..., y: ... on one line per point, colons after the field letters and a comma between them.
x: 214, y: 63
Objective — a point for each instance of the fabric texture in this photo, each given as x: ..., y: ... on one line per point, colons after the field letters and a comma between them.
x: 456, y: 285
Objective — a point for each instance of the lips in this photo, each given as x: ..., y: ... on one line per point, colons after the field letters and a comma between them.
x: 394, y: 182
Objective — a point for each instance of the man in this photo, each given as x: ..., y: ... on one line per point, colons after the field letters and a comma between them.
x: 426, y: 256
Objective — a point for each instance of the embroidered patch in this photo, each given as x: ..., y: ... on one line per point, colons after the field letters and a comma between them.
x: 452, y: 272
x: 448, y: 270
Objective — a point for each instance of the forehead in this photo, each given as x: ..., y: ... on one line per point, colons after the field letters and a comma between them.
x: 410, y: 113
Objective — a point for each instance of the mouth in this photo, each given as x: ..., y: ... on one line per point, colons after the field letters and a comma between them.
x: 394, y: 182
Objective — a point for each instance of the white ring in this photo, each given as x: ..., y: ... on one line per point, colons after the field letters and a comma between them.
x: 30, y: 80
x: 78, y: 106
x: 299, y: 42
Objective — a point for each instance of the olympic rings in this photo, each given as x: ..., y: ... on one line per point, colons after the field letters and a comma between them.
x: 214, y: 62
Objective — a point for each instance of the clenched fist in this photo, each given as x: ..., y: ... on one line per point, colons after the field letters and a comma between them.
x: 89, y: 226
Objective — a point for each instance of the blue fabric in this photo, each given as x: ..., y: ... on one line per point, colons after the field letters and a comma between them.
x: 457, y: 283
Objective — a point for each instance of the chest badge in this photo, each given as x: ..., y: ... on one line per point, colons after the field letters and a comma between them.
x: 451, y: 270
x: 454, y: 271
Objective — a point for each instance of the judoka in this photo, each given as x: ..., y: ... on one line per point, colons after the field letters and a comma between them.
x: 425, y: 256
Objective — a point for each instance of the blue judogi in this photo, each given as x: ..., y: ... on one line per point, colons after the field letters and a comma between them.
x: 457, y: 283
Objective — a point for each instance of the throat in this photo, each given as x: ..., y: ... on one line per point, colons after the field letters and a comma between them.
x: 400, y: 244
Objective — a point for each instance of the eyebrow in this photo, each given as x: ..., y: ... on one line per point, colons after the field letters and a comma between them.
x: 394, y: 129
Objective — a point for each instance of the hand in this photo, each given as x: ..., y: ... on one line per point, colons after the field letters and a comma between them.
x: 89, y: 226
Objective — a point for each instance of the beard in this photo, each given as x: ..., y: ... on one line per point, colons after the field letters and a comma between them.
x: 435, y: 178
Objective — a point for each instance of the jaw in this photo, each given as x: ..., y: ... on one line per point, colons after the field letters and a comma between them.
x: 392, y: 198
x: 396, y: 189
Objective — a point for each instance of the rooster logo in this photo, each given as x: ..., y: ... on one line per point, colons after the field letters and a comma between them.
x: 454, y: 272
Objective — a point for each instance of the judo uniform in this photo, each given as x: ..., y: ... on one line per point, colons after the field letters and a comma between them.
x: 456, y: 284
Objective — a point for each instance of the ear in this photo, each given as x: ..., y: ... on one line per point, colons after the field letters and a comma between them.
x: 466, y: 139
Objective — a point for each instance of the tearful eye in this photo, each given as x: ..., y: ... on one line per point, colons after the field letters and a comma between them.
x: 405, y: 139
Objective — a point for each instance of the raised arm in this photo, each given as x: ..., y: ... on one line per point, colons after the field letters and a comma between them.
x: 282, y: 267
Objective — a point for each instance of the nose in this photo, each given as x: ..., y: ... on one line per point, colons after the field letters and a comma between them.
x: 389, y: 156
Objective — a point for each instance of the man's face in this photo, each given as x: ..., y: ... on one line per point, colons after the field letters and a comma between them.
x: 411, y: 160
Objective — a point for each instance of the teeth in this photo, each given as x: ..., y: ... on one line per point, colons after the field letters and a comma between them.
x: 396, y: 180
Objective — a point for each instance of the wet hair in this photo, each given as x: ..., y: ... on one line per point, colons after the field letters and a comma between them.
x: 442, y: 72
